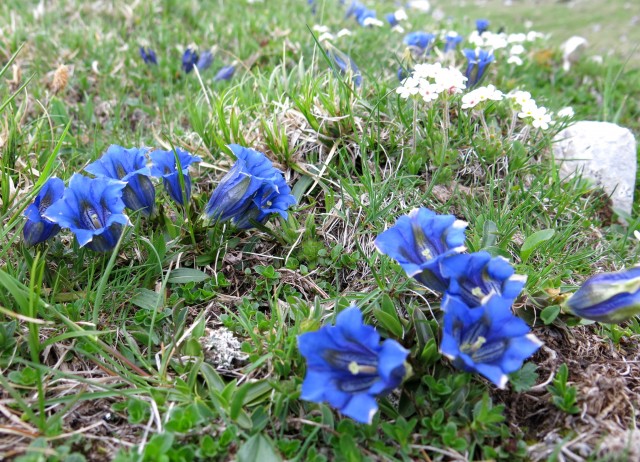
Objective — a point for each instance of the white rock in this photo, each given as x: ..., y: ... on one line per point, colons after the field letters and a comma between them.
x: 602, y: 152
x: 571, y: 50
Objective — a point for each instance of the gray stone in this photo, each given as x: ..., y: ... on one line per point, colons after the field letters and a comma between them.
x: 602, y: 152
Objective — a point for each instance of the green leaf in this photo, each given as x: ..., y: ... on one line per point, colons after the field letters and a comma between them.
x: 184, y: 275
x: 525, y: 378
x: 146, y: 299
x: 549, y: 314
x: 534, y: 241
x: 387, y: 316
x: 258, y: 447
x: 489, y: 234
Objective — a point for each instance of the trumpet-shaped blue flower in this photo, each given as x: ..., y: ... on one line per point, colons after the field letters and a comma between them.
x: 205, y: 61
x: 488, y: 339
x: 92, y: 209
x: 345, y: 64
x: 474, y: 277
x: 189, y: 60
x: 477, y: 62
x: 419, y: 40
x: 225, y: 73
x: 482, y: 25
x: 451, y: 41
x: 130, y: 166
x: 610, y: 297
x: 38, y: 228
x: 148, y: 55
x: 163, y: 165
x: 348, y: 367
x: 252, y: 190
x: 419, y: 241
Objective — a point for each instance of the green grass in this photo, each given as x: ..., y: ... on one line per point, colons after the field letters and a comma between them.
x: 109, y: 356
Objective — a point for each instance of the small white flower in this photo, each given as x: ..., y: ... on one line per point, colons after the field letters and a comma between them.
x: 421, y: 5
x: 321, y: 29
x: 398, y: 28
x: 532, y: 36
x: 372, y: 22
x: 521, y: 98
x: 517, y: 60
x: 517, y: 50
x: 343, y: 33
x: 516, y: 38
x: 326, y: 37
x: 430, y: 92
x: 409, y: 87
x: 481, y: 94
x: 426, y: 70
x: 528, y: 109
x: 451, y: 80
x: 541, y: 119
x: 476, y: 39
x: 401, y: 15
x: 566, y: 112
x: 495, y: 41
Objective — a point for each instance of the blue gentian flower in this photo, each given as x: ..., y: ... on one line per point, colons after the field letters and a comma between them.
x: 92, y: 209
x: 348, y: 367
x: 189, y: 59
x: 609, y: 297
x: 477, y: 62
x: 419, y: 241
x: 392, y: 20
x: 130, y: 166
x: 225, y: 73
x: 163, y: 165
x: 489, y: 339
x: 451, y: 41
x: 419, y: 40
x: 37, y: 228
x: 205, y: 61
x: 356, y: 8
x: 252, y: 190
x: 365, y: 14
x: 477, y: 276
x: 148, y: 55
x: 345, y: 64
x: 482, y: 25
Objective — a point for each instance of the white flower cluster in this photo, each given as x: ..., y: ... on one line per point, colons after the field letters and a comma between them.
x: 524, y: 105
x: 528, y: 110
x: 327, y: 36
x: 480, y: 95
x: 428, y: 81
x: 495, y: 41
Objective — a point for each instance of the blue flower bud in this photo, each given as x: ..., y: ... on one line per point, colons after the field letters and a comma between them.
x: 609, y: 297
x: 205, y: 61
x: 148, y: 55
x: 225, y: 73
x: 189, y: 60
x: 482, y: 25
x: 345, y: 64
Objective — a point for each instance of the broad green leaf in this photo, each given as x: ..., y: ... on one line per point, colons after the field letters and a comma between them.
x: 549, y: 314
x: 258, y: 448
x: 184, y: 275
x: 534, y: 241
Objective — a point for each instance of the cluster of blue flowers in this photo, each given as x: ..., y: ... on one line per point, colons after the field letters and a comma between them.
x: 481, y: 333
x: 192, y: 59
x: 93, y: 208
x: 348, y: 367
